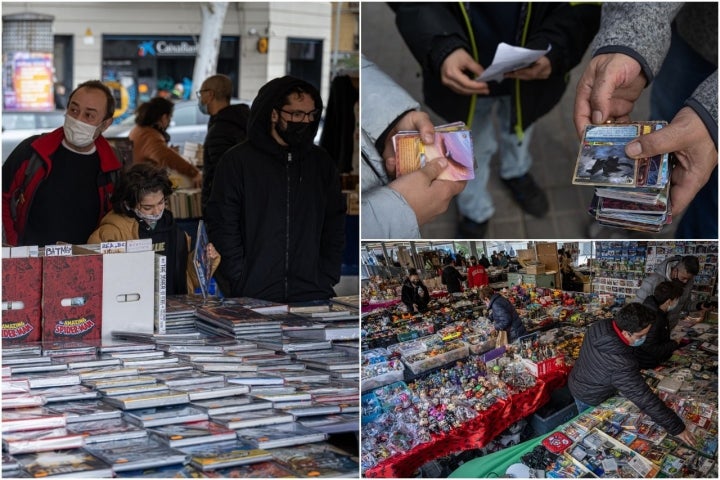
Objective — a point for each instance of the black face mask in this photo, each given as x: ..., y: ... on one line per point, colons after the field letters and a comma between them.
x: 297, y: 134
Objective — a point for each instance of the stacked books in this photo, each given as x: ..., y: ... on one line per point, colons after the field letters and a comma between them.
x: 235, y: 321
x: 629, y: 193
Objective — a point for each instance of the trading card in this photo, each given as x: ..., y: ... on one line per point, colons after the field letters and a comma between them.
x: 451, y: 141
x: 602, y: 160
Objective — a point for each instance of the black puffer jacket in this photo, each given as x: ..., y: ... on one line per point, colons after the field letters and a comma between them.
x: 411, y: 296
x: 434, y: 30
x: 226, y: 129
x: 658, y: 346
x: 606, y: 366
x: 277, y: 215
x: 505, y: 317
x: 452, y: 278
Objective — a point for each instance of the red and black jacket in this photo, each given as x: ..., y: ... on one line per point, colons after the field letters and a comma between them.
x: 30, y: 164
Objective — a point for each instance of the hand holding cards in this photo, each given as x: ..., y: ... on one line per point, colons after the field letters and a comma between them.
x: 630, y: 193
x: 452, y: 141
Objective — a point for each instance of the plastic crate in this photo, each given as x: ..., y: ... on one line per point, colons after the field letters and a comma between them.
x: 560, y: 409
x: 394, y: 372
x: 431, y: 362
x: 478, y: 344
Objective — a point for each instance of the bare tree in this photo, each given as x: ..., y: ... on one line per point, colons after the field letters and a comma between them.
x: 213, y: 18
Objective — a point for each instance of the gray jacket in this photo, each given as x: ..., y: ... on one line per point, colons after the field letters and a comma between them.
x: 662, y: 273
x: 385, y: 213
x: 642, y: 31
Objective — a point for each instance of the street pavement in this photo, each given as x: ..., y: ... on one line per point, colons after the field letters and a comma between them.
x: 554, y: 149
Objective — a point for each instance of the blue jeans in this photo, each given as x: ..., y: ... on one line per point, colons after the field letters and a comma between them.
x: 582, y: 406
x: 669, y: 92
x: 475, y: 202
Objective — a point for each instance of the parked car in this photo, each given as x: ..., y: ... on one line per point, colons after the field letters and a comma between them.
x: 17, y: 126
x: 187, y: 125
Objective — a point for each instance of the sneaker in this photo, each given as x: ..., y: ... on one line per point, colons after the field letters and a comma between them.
x: 528, y: 195
x: 470, y: 229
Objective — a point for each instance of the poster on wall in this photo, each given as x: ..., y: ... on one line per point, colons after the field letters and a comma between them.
x: 28, y: 81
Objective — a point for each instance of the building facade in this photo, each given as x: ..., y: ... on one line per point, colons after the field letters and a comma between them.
x: 143, y: 49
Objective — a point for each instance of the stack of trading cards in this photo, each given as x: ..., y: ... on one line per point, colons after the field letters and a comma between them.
x: 629, y: 193
x: 452, y: 141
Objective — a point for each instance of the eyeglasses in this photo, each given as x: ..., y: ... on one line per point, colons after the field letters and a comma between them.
x: 200, y: 92
x: 299, y: 116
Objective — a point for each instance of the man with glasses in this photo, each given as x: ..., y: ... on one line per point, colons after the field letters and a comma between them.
x: 276, y: 213
x: 227, y: 125
x: 682, y: 269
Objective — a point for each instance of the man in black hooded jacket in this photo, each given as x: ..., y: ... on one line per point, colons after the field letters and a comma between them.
x: 276, y: 212
x: 607, y: 365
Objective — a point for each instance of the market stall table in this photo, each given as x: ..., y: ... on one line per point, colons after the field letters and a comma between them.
x: 370, y: 307
x: 475, y: 433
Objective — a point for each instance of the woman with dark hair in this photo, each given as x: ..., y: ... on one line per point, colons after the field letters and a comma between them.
x: 150, y: 139
x: 139, y: 212
x: 502, y: 313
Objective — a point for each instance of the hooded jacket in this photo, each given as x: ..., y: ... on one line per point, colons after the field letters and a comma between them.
x: 434, y: 30
x: 276, y: 214
x: 661, y: 274
x: 30, y: 164
x: 505, y: 317
x: 607, y: 365
x: 226, y: 129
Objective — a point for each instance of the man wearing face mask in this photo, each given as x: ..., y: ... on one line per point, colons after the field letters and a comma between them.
x: 276, y: 213
x: 227, y: 125
x: 682, y: 269
x: 658, y: 346
x: 415, y: 294
x: 607, y: 366
x: 57, y: 186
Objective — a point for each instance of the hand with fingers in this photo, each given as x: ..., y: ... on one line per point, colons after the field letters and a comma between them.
x: 427, y: 196
x: 458, y: 71
x: 687, y: 137
x: 607, y: 90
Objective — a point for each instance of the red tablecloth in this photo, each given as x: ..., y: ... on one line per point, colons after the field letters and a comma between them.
x: 475, y: 433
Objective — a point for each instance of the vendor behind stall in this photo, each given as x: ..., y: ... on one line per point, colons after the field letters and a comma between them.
x: 503, y: 314
x: 607, y: 365
x: 658, y: 346
x: 415, y: 294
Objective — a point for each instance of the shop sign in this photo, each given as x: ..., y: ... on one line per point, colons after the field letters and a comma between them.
x: 29, y: 81
x: 167, y: 48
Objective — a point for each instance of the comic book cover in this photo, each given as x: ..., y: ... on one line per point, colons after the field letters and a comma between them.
x: 253, y: 418
x: 153, y: 417
x: 136, y: 453
x: 317, y: 460
x: 72, y: 298
x: 255, y: 470
x: 21, y: 300
x: 72, y: 463
x: 283, y: 435
x: 212, y: 456
x: 96, y: 431
x: 192, y: 433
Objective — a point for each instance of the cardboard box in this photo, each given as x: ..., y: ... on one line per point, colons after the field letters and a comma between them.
x: 128, y: 299
x: 72, y: 288
x: 535, y: 268
x: 21, y: 300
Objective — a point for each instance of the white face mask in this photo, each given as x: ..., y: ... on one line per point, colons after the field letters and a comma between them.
x: 149, y: 217
x: 79, y: 134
